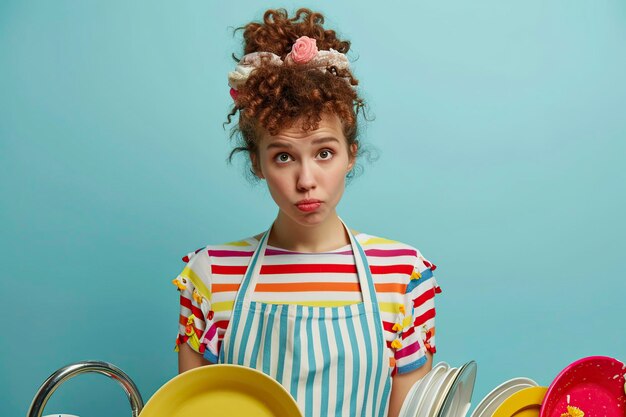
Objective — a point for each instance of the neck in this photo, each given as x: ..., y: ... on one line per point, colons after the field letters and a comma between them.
x: 323, y: 237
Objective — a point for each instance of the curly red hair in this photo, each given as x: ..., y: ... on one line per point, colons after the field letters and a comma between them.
x: 275, y: 97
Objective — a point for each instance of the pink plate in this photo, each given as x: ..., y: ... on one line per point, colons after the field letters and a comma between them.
x: 594, y: 384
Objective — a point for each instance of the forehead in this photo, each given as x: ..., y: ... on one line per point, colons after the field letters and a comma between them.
x: 329, y: 130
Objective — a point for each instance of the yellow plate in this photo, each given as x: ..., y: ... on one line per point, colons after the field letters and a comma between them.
x: 221, y: 390
x: 524, y: 403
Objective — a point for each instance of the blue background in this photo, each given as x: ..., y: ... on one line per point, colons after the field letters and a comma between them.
x: 501, y: 132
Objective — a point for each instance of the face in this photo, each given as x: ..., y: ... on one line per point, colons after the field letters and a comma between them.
x: 301, y: 166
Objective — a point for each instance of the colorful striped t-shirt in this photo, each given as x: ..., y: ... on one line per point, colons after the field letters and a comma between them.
x: 403, y: 278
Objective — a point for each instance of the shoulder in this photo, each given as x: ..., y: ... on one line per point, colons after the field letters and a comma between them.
x: 386, y: 247
x: 230, y: 248
x: 201, y: 262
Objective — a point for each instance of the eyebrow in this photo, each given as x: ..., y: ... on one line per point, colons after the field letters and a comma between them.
x: 313, y: 142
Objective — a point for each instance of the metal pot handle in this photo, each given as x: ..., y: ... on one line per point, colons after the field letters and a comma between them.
x: 73, y: 369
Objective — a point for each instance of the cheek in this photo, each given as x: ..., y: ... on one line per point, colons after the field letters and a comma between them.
x: 277, y: 184
x: 337, y: 181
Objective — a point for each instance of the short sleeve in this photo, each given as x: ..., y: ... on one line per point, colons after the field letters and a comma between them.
x: 195, y: 317
x: 418, y: 323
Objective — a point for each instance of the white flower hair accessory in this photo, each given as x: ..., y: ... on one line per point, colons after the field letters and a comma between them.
x: 303, y: 52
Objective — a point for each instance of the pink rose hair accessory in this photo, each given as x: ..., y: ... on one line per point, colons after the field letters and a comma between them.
x: 304, y: 52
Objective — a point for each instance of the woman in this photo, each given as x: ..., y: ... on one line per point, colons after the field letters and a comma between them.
x: 342, y: 319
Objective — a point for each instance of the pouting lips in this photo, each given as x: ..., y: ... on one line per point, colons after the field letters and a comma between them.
x: 309, y: 206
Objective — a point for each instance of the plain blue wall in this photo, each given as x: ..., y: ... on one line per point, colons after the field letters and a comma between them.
x: 501, y: 130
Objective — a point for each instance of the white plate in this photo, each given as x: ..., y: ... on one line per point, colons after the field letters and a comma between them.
x: 442, y: 391
x: 429, y: 396
x: 500, y: 398
x: 480, y: 408
x: 409, y: 406
x: 429, y: 380
x: 459, y: 398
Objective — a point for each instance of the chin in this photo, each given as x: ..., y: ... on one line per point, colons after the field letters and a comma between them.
x: 308, y: 219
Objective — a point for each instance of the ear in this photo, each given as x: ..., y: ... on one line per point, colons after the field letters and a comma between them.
x: 352, y: 156
x: 255, y: 166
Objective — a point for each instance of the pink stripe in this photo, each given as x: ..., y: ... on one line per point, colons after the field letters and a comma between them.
x: 209, y: 335
x: 388, y: 253
x: 407, y: 350
x: 229, y: 253
x: 270, y: 251
x: 383, y: 253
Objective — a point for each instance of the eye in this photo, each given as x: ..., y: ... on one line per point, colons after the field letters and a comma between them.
x: 326, y: 154
x: 282, y: 158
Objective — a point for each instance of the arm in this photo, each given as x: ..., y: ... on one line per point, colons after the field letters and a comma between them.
x: 420, y: 297
x: 194, y: 307
x: 402, y: 383
x: 189, y: 359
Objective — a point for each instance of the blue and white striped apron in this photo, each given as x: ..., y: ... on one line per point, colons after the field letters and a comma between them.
x: 333, y: 360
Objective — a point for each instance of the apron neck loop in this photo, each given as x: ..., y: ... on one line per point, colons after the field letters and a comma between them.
x: 244, y: 295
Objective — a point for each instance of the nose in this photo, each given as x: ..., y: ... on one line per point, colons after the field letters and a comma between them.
x: 305, y: 177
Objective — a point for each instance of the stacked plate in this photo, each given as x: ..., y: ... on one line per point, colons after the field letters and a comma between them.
x: 524, y: 403
x: 593, y: 385
x: 488, y: 406
x: 444, y: 392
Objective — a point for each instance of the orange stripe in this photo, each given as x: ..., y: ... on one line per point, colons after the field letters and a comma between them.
x: 312, y: 286
x: 392, y: 287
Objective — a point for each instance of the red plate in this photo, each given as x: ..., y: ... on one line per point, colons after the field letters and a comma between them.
x: 594, y: 384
